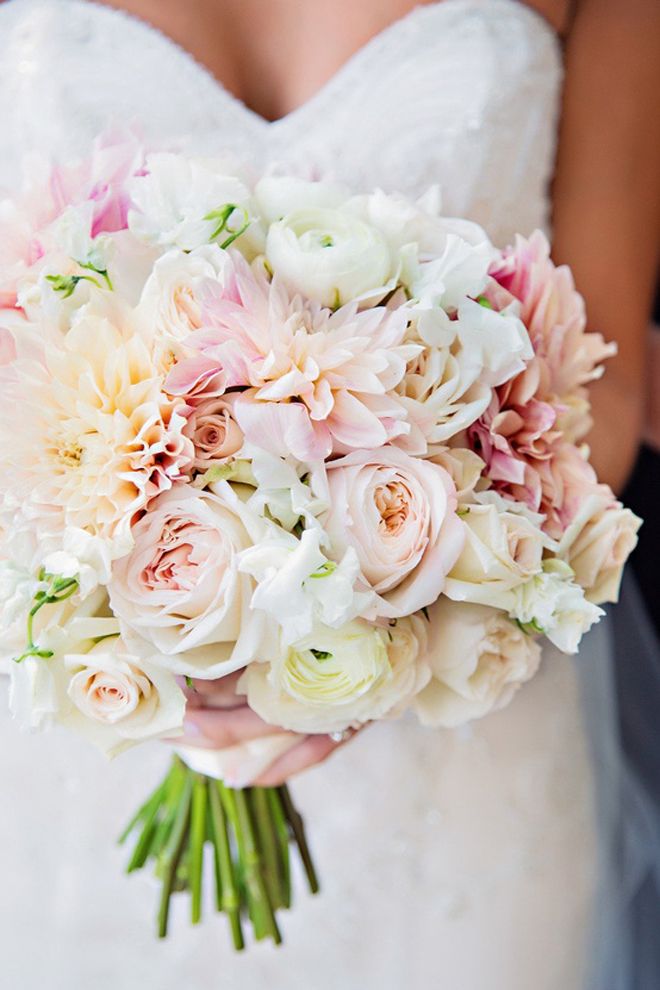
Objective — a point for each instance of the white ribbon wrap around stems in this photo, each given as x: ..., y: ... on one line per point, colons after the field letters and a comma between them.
x: 238, y: 766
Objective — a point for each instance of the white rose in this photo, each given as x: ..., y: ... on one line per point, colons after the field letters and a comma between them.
x: 442, y: 392
x: 478, y: 658
x: 337, y: 678
x: 553, y: 604
x: 170, y: 306
x: 463, y: 466
x: 181, y: 589
x: 120, y: 699
x: 597, y: 545
x: 184, y: 201
x: 501, y: 551
x: 328, y: 255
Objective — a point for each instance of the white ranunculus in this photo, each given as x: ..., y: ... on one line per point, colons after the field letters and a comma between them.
x: 119, y: 699
x: 180, y: 201
x: 328, y: 255
x: 478, y: 658
x: 597, y: 545
x: 553, y: 604
x: 277, y: 196
x: 336, y: 678
x: 181, y: 590
x: 501, y: 551
x: 298, y: 587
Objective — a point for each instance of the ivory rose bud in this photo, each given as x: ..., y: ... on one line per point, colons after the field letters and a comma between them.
x: 215, y: 434
x: 180, y: 588
x: 328, y: 255
x: 597, y: 545
x: 502, y: 550
x: 336, y: 678
x: 122, y: 698
x: 478, y: 658
x: 399, y: 513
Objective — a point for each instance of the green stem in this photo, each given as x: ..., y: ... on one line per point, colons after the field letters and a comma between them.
x: 230, y: 891
x: 267, y: 838
x: 298, y: 828
x: 197, y: 841
x: 265, y: 922
x: 282, y: 831
x: 173, y: 854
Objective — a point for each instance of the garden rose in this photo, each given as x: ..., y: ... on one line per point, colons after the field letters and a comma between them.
x: 181, y: 589
x: 122, y: 698
x: 478, y: 658
x: 215, y: 434
x: 502, y: 549
x: 399, y: 514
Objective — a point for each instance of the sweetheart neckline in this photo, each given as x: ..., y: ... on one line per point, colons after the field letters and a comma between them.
x: 377, y: 42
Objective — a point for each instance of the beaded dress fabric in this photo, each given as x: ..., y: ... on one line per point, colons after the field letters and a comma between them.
x: 463, y: 860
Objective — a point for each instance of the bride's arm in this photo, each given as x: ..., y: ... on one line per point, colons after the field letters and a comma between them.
x: 607, y: 204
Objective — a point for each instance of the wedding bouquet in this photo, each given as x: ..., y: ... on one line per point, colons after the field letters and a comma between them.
x: 332, y: 441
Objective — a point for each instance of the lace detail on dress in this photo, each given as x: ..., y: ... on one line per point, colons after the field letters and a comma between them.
x: 463, y: 93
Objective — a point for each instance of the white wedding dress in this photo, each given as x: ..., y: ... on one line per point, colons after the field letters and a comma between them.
x: 464, y: 860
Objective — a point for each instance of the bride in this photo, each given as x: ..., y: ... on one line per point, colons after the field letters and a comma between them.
x: 475, y: 860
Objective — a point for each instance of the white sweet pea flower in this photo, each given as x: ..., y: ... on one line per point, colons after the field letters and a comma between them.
x: 497, y: 343
x: 299, y: 587
x: 460, y: 272
x: 336, y: 678
x: 329, y: 255
x: 553, y: 604
x: 280, y: 490
x: 84, y: 557
x: 186, y: 202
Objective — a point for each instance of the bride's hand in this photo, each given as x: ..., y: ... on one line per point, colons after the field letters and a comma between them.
x: 217, y: 718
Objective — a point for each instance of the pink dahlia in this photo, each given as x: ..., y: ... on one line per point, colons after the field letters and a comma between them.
x: 315, y: 381
x: 554, y: 314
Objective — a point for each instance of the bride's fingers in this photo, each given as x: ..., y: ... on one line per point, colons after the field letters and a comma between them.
x: 211, y: 729
x: 309, y: 752
x: 216, y: 694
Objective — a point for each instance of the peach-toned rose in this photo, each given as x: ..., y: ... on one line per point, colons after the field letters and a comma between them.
x: 399, y: 514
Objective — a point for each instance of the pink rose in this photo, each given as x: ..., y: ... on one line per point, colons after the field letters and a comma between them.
x: 215, y: 434
x: 180, y: 588
x: 399, y: 514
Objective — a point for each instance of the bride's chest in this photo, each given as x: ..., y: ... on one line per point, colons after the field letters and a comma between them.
x: 462, y: 93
